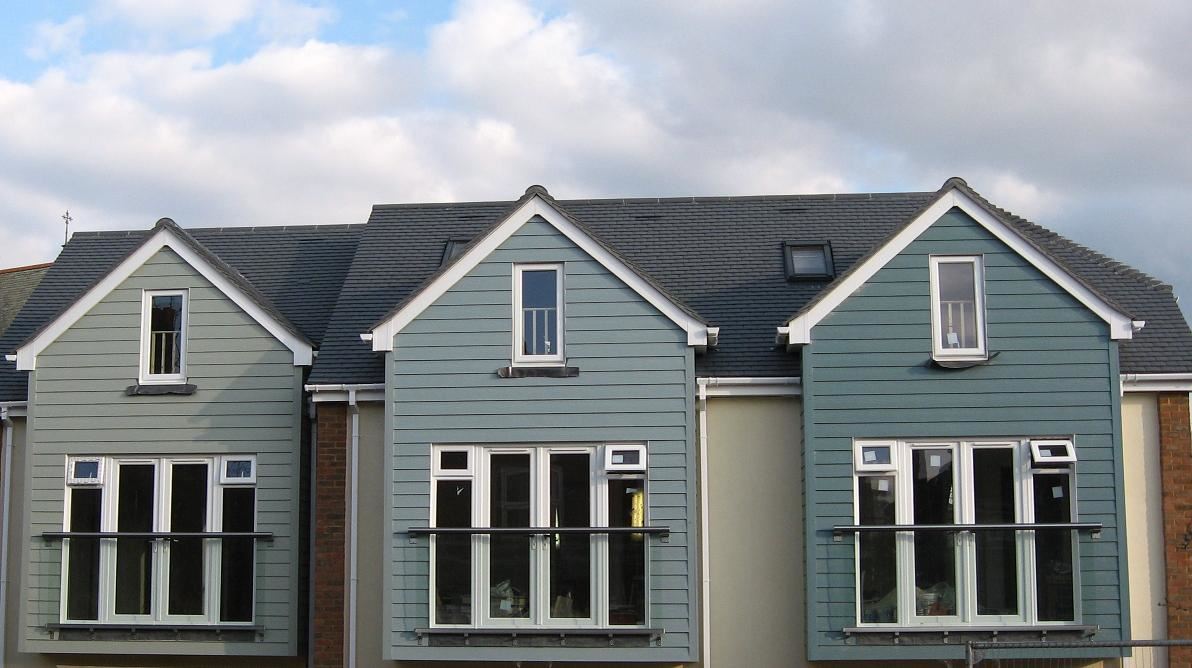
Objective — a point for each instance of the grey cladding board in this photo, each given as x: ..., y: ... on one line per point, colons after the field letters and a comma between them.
x: 866, y: 378
x: 633, y: 385
x: 80, y: 407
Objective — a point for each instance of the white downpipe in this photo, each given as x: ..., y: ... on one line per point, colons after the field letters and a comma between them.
x: 354, y: 503
x: 310, y: 539
x: 5, y: 498
x: 704, y: 543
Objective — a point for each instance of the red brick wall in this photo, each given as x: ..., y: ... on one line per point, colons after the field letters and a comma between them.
x: 330, y: 490
x: 1175, y: 453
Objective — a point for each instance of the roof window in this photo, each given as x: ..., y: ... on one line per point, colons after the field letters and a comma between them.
x: 453, y: 248
x: 808, y: 260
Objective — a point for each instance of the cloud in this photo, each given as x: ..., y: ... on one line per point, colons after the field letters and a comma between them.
x: 50, y: 38
x: 163, y: 20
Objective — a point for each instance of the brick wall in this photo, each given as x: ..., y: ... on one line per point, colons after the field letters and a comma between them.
x: 330, y: 490
x: 1175, y: 453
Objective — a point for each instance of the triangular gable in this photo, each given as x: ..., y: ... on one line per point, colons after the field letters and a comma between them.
x: 167, y: 234
x: 537, y: 202
x: 797, y: 331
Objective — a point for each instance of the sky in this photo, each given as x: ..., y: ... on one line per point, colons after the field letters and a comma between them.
x: 269, y: 112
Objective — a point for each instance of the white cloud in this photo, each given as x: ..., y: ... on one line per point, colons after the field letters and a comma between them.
x: 50, y: 38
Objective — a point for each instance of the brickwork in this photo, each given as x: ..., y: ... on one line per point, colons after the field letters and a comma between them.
x: 330, y: 490
x: 1175, y: 452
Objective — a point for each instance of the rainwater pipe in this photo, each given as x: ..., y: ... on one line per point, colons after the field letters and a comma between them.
x: 704, y: 544
x: 5, y: 498
x: 354, y: 522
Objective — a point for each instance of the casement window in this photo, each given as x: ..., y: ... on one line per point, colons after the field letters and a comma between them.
x: 958, y: 307
x: 538, y: 314
x: 518, y: 579
x: 147, y: 573
x: 163, y: 336
x: 808, y: 260
x: 929, y: 575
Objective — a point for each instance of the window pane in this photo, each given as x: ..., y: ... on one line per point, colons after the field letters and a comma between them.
x: 165, y: 331
x: 935, y: 551
x: 626, y: 552
x: 453, y: 460
x: 238, y: 469
x: 1054, y: 548
x: 808, y: 260
x: 134, y: 556
x: 875, y: 454
x: 237, y: 555
x: 509, y: 560
x: 453, y: 553
x: 540, y: 312
x: 997, y: 551
x: 958, y: 305
x: 570, y: 554
x: 879, y: 563
x: 86, y: 470
x: 82, y: 570
x: 188, y: 512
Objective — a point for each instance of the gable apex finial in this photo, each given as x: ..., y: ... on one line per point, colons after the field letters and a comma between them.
x: 537, y: 190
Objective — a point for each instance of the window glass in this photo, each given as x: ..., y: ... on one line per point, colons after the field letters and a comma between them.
x: 134, y: 556
x: 453, y: 552
x: 237, y: 555
x: 509, y: 560
x: 626, y: 552
x: 570, y: 554
x: 540, y: 308
x: 872, y: 455
x: 935, y: 554
x: 82, y: 571
x: 958, y: 305
x: 86, y: 470
x: 997, y: 551
x: 1053, y: 548
x: 165, y: 335
x: 188, y: 513
x: 879, y: 564
x: 808, y: 260
x: 453, y: 460
x: 238, y: 468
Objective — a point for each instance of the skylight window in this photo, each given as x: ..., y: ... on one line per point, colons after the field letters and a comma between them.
x: 453, y: 248
x: 808, y: 260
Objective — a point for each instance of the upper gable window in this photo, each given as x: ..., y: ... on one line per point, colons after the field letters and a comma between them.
x: 163, y: 336
x: 958, y: 307
x: 808, y: 259
x: 538, y: 313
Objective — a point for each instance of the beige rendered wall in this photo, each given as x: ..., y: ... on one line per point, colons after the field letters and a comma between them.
x: 756, y: 529
x: 1144, y: 519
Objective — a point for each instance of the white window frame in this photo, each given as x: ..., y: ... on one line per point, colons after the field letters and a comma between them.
x: 939, y: 352
x: 228, y: 481
x: 160, y: 550
x: 145, y: 377
x: 1042, y: 461
x: 860, y: 464
x: 72, y: 481
x: 611, y: 450
x: 479, y: 458
x: 453, y: 474
x: 520, y: 358
x: 964, y: 513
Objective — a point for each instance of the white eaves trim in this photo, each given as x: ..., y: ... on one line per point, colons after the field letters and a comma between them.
x: 1157, y: 382
x: 26, y: 357
x: 776, y: 386
x: 799, y: 330
x: 382, y: 335
x: 346, y: 392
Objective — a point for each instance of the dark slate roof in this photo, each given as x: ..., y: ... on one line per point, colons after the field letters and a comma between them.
x: 16, y: 284
x: 298, y: 270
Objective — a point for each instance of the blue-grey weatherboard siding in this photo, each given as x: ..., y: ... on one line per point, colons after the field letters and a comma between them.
x: 866, y: 376
x: 247, y: 402
x: 636, y: 375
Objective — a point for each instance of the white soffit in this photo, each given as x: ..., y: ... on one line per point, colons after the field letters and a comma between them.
x: 26, y: 357
x: 382, y: 335
x: 1121, y: 326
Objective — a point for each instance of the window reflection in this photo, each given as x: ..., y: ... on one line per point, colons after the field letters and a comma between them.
x: 935, y: 553
x: 879, y: 564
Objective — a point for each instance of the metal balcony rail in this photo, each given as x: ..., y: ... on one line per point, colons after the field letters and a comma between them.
x: 838, y: 531
x: 157, y: 535
x: 976, y: 652
x: 534, y: 531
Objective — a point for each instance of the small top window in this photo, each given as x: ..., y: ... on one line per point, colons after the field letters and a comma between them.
x: 238, y: 470
x: 538, y: 314
x: 958, y: 307
x: 163, y: 338
x: 84, y: 471
x: 453, y: 248
x: 808, y: 259
x: 874, y: 456
x: 1052, y: 452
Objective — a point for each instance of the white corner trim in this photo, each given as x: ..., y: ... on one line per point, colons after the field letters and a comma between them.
x: 382, y: 334
x: 1157, y: 382
x: 1121, y: 326
x: 163, y: 238
x: 777, y: 386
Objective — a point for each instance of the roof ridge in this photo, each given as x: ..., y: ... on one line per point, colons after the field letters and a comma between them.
x: 28, y: 267
x: 661, y: 200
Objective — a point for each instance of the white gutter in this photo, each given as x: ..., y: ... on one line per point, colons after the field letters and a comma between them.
x: 5, y: 498
x: 354, y: 497
x: 777, y: 386
x: 339, y: 392
x: 1157, y: 382
x: 704, y: 544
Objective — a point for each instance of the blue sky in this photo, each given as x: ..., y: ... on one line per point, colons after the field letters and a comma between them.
x: 262, y: 112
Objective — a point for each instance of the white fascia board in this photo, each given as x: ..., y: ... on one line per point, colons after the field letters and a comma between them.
x: 14, y: 408
x: 342, y: 392
x: 1121, y: 326
x: 163, y: 238
x: 382, y: 334
x: 1157, y: 382
x: 776, y: 386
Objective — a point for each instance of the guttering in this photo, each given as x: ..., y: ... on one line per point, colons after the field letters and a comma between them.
x: 1157, y: 382
x: 704, y: 544
x: 342, y: 392
x: 751, y: 386
x: 6, y: 415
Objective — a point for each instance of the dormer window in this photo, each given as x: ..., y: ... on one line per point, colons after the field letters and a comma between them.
x: 163, y: 336
x: 808, y: 260
x: 538, y: 314
x: 958, y: 307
